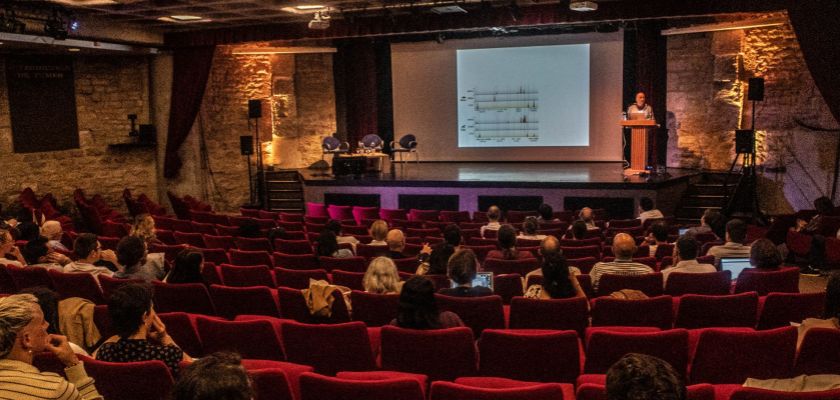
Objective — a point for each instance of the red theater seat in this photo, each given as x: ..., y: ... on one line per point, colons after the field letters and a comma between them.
x: 144, y: 380
x: 780, y: 309
x: 491, y: 389
x: 699, y: 311
x: 730, y: 357
x: 319, y: 387
x: 656, y: 312
x: 187, y: 297
x: 785, y: 280
x: 233, y: 301
x: 559, y: 314
x: 254, y: 339
x: 512, y: 354
x: 442, y: 354
x: 329, y: 348
x: 298, y: 279
x: 374, y: 309
x: 478, y: 313
x: 712, y: 283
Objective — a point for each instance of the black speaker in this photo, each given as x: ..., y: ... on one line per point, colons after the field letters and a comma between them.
x: 756, y: 89
x: 744, y: 141
x: 246, y: 145
x: 254, y: 108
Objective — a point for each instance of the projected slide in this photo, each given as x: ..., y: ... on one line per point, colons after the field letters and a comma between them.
x: 523, y: 96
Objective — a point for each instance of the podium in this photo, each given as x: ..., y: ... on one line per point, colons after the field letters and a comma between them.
x: 639, y: 130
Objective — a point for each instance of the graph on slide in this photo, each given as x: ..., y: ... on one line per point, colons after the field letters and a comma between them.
x: 501, y: 115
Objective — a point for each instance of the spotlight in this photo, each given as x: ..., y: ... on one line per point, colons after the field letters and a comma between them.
x: 74, y: 25
x: 320, y: 21
x: 583, y: 6
x: 55, y: 26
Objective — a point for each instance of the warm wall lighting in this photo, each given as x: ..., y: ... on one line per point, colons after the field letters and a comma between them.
x: 304, y: 8
x: 282, y: 50
x: 184, y: 19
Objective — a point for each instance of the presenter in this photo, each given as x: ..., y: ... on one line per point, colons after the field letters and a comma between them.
x: 639, y: 109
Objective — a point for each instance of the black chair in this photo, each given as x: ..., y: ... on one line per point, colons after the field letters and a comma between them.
x: 331, y: 145
x: 407, y: 144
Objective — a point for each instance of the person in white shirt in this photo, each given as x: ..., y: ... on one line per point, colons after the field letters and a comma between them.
x: 624, y: 246
x: 89, y: 251
x: 335, y: 226
x: 8, y: 248
x: 658, y: 235
x: 736, y: 233
x: 685, y: 259
x: 647, y: 210
x: 52, y: 231
x: 494, y: 214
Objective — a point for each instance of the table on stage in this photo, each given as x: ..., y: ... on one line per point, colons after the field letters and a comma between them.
x: 358, y: 163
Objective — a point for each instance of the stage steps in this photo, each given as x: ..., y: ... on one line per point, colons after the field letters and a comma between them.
x: 707, y: 192
x: 283, y: 190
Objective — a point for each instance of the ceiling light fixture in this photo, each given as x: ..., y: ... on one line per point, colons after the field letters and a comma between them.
x: 320, y: 21
x: 583, y: 6
x: 74, y: 49
x: 310, y: 7
x: 185, y: 18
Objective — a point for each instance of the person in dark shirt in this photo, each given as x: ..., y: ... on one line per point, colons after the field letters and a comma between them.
x: 396, y: 244
x: 462, y: 268
x: 438, y: 256
x: 418, y: 308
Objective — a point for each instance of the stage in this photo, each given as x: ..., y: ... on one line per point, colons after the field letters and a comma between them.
x: 476, y: 185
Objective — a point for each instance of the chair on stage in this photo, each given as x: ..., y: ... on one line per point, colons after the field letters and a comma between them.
x: 371, y: 142
x: 407, y: 144
x: 331, y: 145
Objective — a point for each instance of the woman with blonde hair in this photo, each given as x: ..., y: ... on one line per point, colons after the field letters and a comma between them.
x: 378, y: 231
x: 144, y: 228
x: 382, y: 277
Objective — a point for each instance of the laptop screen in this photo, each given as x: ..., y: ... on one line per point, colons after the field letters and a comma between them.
x: 683, y: 231
x: 735, y: 265
x: 481, y: 279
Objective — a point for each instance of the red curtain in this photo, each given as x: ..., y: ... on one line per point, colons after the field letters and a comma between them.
x: 355, y: 60
x: 818, y: 31
x: 191, y: 68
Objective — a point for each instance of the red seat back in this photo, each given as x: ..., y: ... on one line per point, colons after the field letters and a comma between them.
x: 700, y: 311
x: 521, y: 266
x: 711, y: 283
x: 559, y: 314
x: 649, y: 284
x: 511, y: 354
x: 656, y: 311
x: 191, y: 239
x: 271, y: 383
x: 244, y: 276
x: 319, y: 387
x: 350, y: 264
x: 783, y: 280
x: 780, y: 309
x: 255, y: 339
x: 819, y: 352
x: 530, y: 391
x: 352, y: 280
x: 143, y: 380
x: 391, y: 214
x: 316, y: 210
x: 507, y: 286
x: 28, y: 277
x: 233, y: 301
x: 442, y: 354
x: 297, y: 279
x: 109, y: 284
x: 180, y: 326
x: 374, y: 309
x: 329, y: 348
x: 191, y: 298
x: 240, y: 257
x: 731, y: 356
x: 82, y: 285
x: 296, y: 261
x: 293, y: 306
x: 605, y: 347
x: 478, y: 313
x: 254, y: 244
x: 582, y: 251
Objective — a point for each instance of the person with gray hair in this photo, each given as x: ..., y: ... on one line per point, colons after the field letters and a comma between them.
x: 52, y: 231
x: 23, y: 332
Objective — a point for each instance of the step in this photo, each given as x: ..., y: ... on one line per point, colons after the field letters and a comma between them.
x: 289, y: 195
x: 693, y: 212
x: 702, y: 200
x: 709, y: 189
x: 285, y: 186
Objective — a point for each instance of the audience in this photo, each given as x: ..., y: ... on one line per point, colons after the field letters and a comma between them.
x: 23, y: 333
x: 558, y: 281
x: 658, y: 235
x: 831, y: 312
x: 327, y: 246
x: 141, y: 336
x: 643, y: 377
x: 53, y: 232
x: 736, y: 233
x: 529, y: 230
x: 144, y: 228
x: 335, y: 226
x: 382, y: 277
x: 57, y: 317
x: 550, y: 246
x: 825, y: 208
x: 588, y: 217
x: 462, y: 269
x: 507, y: 246
x: 546, y: 214
x: 494, y: 215
x: 647, y: 210
x: 434, y: 260
x: 711, y: 218
x: 418, y: 307
x: 132, y: 256
x: 685, y: 259
x: 218, y: 376
x: 378, y: 231
x: 765, y: 256
x: 624, y: 246
x: 9, y: 249
x: 187, y: 267
x: 579, y: 230
x: 396, y: 244
x: 89, y: 251
x: 37, y: 254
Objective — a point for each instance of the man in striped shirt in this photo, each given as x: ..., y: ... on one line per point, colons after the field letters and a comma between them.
x: 23, y: 332
x: 624, y: 246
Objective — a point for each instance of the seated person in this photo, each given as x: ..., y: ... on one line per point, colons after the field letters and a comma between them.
x: 378, y: 231
x: 327, y: 246
x: 382, y: 277
x: 507, y: 244
x: 588, y: 217
x: 187, y: 267
x: 640, y: 376
x: 577, y: 230
x: 37, y: 254
x: 647, y: 210
x: 418, y: 307
x: 624, y: 246
x: 710, y: 219
x: 658, y: 235
x: 529, y: 230
x: 136, y: 262
x: 685, y: 259
x: 831, y: 313
x: 141, y: 336
x: 494, y: 215
x: 558, y: 282
x: 89, y: 251
x: 434, y: 260
x: 396, y: 244
x: 64, y: 314
x: 335, y: 226
x: 23, y: 333
x: 216, y: 376
x: 144, y: 228
x: 765, y: 256
x: 549, y: 247
x: 53, y: 232
x: 824, y: 208
x: 546, y: 214
x: 9, y: 249
x: 736, y: 233
x: 462, y: 269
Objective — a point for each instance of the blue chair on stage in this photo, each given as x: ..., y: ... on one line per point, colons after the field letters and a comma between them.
x: 371, y: 143
x: 407, y: 144
x: 331, y: 145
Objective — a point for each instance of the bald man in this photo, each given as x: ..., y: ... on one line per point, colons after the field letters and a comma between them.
x: 549, y: 245
x: 494, y: 215
x: 396, y: 243
x: 640, y: 109
x: 624, y: 246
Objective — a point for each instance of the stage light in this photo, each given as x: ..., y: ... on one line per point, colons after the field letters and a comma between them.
x: 320, y: 21
x: 74, y: 25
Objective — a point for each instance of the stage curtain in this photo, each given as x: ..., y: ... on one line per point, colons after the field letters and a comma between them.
x: 818, y: 31
x: 191, y: 68
x: 356, y: 62
x: 645, y: 62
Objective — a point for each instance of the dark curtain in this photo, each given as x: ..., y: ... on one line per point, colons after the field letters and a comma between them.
x: 355, y: 62
x: 818, y: 32
x: 191, y: 68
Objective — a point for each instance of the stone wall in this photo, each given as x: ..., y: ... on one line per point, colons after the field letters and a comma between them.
x: 707, y: 90
x: 108, y: 88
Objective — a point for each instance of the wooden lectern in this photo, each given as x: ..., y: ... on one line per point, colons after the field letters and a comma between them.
x: 638, y: 143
